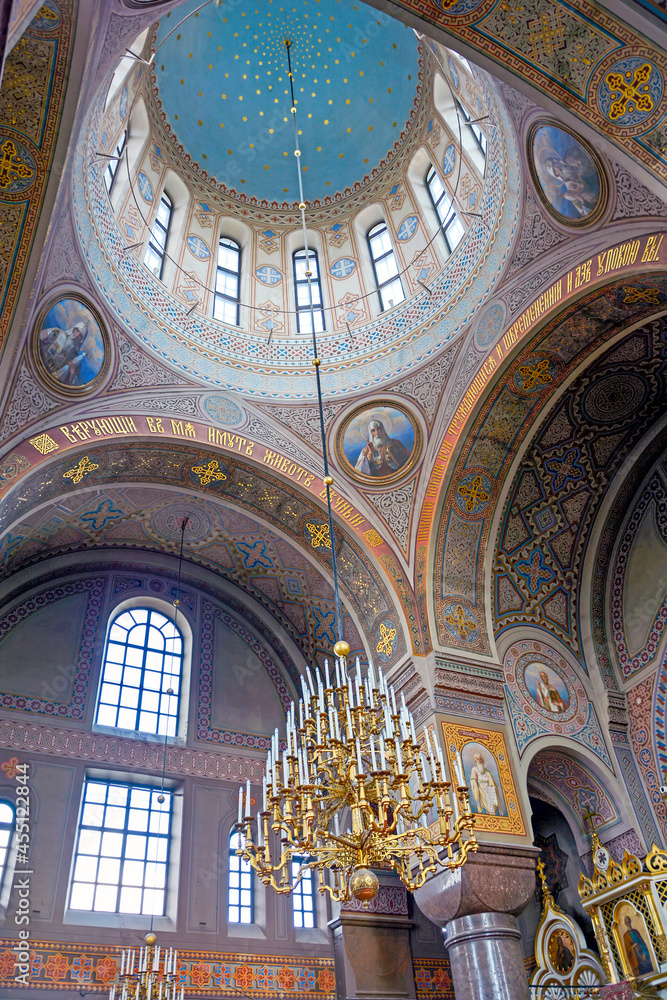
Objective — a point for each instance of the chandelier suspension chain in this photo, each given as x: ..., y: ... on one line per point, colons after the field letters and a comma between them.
x: 328, y: 479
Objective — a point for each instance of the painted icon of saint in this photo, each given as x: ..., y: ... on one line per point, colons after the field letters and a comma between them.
x: 547, y: 696
x: 381, y: 455
x: 636, y: 950
x: 483, y: 788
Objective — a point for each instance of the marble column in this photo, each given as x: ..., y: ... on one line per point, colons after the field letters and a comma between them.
x: 372, y: 946
x: 477, y: 906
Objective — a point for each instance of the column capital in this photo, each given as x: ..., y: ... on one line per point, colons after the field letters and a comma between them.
x: 498, y: 878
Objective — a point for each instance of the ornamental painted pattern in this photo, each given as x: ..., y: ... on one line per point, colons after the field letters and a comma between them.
x: 54, y: 693
x: 31, y: 102
x: 562, y: 479
x: 567, y: 53
x: 574, y: 784
x: 92, y: 967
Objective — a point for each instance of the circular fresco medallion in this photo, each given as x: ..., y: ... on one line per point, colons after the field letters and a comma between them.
x: 70, y: 345
x: 378, y: 442
x: 548, y: 687
x: 533, y: 375
x: 567, y: 174
x: 167, y: 521
x: 473, y: 495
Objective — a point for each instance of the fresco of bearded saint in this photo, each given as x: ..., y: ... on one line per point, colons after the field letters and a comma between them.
x: 382, y: 455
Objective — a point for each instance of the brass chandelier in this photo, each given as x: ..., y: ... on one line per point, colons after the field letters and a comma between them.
x: 353, y: 760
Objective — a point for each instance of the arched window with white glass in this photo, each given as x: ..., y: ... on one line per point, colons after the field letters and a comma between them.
x: 308, y: 292
x: 227, y: 281
x: 157, y: 241
x: 140, y: 687
x: 113, y: 163
x: 450, y: 224
x: 385, y: 266
x: 303, y: 895
x: 7, y: 825
x: 473, y: 126
x: 240, y: 890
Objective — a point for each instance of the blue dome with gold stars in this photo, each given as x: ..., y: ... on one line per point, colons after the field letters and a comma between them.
x: 222, y: 85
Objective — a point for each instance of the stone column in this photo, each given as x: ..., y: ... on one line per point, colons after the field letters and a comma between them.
x: 476, y: 906
x: 372, y: 946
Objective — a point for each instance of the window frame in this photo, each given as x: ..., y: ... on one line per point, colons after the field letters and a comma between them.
x: 443, y: 224
x: 153, y: 246
x: 225, y: 270
x: 244, y: 868
x: 298, y: 893
x: 180, y: 696
x: 172, y: 838
x: 374, y: 231
x: 113, y: 165
x: 477, y: 133
x: 9, y: 860
x: 316, y: 279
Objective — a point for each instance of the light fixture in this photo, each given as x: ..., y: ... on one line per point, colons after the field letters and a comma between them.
x: 353, y: 789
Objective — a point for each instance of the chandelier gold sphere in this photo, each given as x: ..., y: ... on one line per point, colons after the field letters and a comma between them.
x: 342, y: 648
x: 150, y: 939
x: 364, y: 885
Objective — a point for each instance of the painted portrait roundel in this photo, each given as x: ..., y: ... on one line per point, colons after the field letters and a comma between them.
x: 379, y: 442
x: 545, y: 686
x: 70, y: 345
x: 567, y: 174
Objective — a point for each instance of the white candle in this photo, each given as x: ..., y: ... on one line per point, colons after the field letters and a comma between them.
x: 326, y: 673
x: 319, y: 729
x: 156, y: 961
x: 240, y: 817
x: 122, y: 963
x: 374, y: 765
x: 247, y: 802
x: 360, y: 769
x: 383, y: 758
x: 393, y: 702
x: 337, y: 726
x: 306, y: 772
x: 264, y: 793
x: 310, y: 683
x: 399, y: 758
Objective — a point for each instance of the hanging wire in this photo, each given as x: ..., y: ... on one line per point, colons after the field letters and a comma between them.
x: 328, y: 479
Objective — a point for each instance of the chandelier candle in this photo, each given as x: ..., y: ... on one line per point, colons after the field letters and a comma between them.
x: 403, y: 814
x: 148, y: 974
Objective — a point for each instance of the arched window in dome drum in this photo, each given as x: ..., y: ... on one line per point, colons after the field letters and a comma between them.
x: 112, y: 165
x: 227, y: 281
x: 142, y: 663
x: 7, y: 822
x: 450, y: 224
x: 477, y: 133
x: 157, y: 242
x: 303, y: 290
x: 387, y: 278
x: 240, y: 894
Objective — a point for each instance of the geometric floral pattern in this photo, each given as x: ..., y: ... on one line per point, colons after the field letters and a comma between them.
x: 561, y: 482
x: 90, y: 968
x: 433, y: 978
x: 562, y: 478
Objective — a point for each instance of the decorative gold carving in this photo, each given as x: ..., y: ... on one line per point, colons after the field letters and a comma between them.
x: 208, y: 474
x: 12, y: 166
x: 373, y: 538
x: 43, y: 443
x: 386, y: 642
x: 84, y: 468
x: 319, y: 535
x: 635, y: 90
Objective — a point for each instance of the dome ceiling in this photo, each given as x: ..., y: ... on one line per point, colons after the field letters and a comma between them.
x: 222, y: 86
